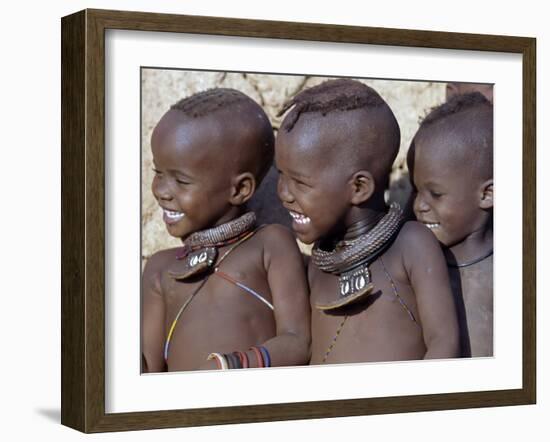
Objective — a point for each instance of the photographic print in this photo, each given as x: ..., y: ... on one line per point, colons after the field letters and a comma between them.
x: 227, y: 323
x: 261, y: 224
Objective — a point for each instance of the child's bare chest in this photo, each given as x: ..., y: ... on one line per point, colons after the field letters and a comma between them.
x: 473, y: 291
x: 381, y: 327
x: 230, y: 292
x: 220, y: 312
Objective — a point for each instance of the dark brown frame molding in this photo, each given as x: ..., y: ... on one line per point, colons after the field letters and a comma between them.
x: 83, y: 219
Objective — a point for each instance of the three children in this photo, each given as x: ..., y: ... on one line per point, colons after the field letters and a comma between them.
x: 236, y: 295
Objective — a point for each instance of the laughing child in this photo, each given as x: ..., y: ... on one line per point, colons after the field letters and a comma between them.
x: 379, y: 287
x: 451, y: 163
x: 235, y: 295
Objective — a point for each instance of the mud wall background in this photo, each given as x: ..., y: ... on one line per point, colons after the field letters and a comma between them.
x: 409, y: 101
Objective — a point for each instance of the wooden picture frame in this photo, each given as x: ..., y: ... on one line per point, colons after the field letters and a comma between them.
x: 83, y: 220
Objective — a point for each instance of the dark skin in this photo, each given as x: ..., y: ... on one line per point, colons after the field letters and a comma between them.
x: 330, y: 181
x: 203, y: 178
x: 454, y: 198
x: 453, y: 89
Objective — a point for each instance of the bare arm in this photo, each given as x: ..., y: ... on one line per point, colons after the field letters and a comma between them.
x: 152, y: 317
x: 425, y: 264
x: 286, y: 275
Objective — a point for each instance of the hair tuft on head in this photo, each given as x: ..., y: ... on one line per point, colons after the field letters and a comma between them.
x: 330, y: 96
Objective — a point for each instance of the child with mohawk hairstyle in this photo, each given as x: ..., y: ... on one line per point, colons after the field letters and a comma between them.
x: 379, y: 287
x: 235, y: 295
x: 451, y: 164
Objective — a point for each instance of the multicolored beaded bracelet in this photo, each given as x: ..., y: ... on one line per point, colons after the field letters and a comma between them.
x: 259, y: 356
x: 244, y: 359
x: 220, y: 360
x: 234, y: 361
x: 265, y: 356
x: 239, y: 359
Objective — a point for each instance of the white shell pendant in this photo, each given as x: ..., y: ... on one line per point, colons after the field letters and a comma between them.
x: 354, y: 286
x: 354, y: 281
x: 194, y: 264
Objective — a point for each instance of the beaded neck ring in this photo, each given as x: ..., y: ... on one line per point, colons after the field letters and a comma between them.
x: 219, y: 235
x: 200, y: 249
x: 350, y: 259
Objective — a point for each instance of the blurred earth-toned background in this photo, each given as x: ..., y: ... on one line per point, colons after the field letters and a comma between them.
x: 409, y: 100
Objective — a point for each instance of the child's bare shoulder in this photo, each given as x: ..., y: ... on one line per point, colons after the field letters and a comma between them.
x: 415, y: 232
x: 279, y: 247
x: 416, y: 239
x: 276, y: 237
x: 158, y: 262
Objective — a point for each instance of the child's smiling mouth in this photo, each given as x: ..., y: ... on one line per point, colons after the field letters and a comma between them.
x: 299, y: 218
x: 172, y: 216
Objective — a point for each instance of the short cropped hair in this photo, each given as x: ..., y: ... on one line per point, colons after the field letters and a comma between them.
x: 455, y: 105
x: 330, y: 96
x: 378, y: 151
x: 470, y: 117
x: 213, y: 100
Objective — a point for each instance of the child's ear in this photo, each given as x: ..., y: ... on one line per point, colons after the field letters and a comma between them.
x: 486, y: 200
x: 244, y: 186
x: 362, y: 187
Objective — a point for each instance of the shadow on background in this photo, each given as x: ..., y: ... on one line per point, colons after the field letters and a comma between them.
x: 52, y: 414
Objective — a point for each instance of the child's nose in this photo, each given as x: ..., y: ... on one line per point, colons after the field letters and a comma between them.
x: 282, y: 190
x: 161, y: 190
x: 420, y: 204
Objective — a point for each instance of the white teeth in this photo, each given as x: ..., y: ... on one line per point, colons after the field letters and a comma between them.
x: 172, y: 215
x: 431, y: 225
x: 299, y: 218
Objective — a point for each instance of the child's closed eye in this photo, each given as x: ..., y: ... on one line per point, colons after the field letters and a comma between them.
x: 301, y: 184
x: 435, y: 194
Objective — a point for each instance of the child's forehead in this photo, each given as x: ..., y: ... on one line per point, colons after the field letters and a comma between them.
x: 176, y: 138
x: 443, y: 153
x: 438, y: 172
x: 436, y: 145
